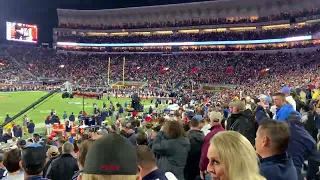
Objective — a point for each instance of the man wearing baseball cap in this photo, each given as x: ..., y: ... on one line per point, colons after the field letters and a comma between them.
x: 111, y: 157
x: 287, y: 91
x: 33, y: 159
x: 215, y: 118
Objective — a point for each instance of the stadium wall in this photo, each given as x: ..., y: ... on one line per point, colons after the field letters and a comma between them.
x: 309, y: 49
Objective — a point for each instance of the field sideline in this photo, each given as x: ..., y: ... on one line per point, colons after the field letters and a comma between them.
x: 13, y: 102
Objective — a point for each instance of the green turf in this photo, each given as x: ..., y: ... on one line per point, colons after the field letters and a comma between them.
x: 13, y: 102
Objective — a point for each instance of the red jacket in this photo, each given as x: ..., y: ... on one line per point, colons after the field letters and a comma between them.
x: 204, y: 161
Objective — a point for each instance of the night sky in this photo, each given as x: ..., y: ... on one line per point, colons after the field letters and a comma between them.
x: 43, y: 12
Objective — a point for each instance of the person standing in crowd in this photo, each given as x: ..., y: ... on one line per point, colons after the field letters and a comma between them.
x: 260, y: 112
x: 147, y: 166
x: 65, y: 116
x: 111, y: 157
x: 33, y: 161
x: 64, y: 167
x: 242, y: 121
x: 232, y: 157
x: 173, y: 147
x: 72, y: 118
x: 271, y: 144
x: 48, y: 123
x: 25, y: 124
x: 289, y: 99
x: 142, y: 138
x: 301, y: 145
x: 249, y: 104
x: 196, y: 138
x: 215, y: 118
x: 68, y: 127
x: 83, y: 151
x: 131, y: 135
x: 7, y: 136
x: 31, y: 127
x: 283, y: 109
x: 3, y: 171
x: 17, y: 131
x: 7, y: 119
x: 205, y: 125
x: 52, y: 154
x: 11, y: 161
x: 309, y: 119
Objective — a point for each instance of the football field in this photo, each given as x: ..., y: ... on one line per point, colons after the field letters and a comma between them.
x: 13, y: 102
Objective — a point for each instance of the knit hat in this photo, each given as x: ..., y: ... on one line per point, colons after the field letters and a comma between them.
x: 112, y: 154
x: 33, y: 156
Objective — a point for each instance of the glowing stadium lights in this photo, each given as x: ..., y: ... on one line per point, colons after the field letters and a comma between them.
x: 263, y: 41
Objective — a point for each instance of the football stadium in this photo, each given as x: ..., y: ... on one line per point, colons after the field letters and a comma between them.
x: 160, y: 90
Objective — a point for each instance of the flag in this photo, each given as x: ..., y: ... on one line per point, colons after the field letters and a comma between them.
x: 194, y: 70
x: 136, y: 69
x: 164, y: 70
x: 229, y: 70
x: 263, y: 71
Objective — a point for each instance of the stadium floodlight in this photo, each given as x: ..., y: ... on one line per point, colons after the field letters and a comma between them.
x: 262, y: 41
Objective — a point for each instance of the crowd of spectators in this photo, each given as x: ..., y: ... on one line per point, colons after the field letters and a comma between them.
x: 211, y: 21
x: 204, y: 139
x: 195, y: 37
x: 186, y: 71
x: 10, y: 70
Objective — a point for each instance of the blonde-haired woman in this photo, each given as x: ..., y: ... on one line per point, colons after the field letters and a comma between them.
x: 232, y: 157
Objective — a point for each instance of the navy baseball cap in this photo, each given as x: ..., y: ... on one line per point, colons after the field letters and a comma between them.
x: 112, y: 154
x: 33, y: 155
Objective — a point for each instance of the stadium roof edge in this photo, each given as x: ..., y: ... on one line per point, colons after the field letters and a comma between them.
x: 193, y: 5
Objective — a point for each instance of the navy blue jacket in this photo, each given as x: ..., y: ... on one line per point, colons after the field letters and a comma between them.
x: 301, y: 144
x: 260, y: 114
x: 31, y: 127
x: 278, y: 167
x: 36, y: 178
x: 17, y: 132
x: 6, y: 137
x: 71, y: 118
x: 158, y: 174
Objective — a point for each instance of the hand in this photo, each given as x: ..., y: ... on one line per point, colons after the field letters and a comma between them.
x: 162, y: 128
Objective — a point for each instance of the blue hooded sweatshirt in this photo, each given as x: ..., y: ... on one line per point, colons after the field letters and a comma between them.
x: 283, y: 112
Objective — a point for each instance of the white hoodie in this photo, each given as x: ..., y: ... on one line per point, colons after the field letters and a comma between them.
x: 292, y: 102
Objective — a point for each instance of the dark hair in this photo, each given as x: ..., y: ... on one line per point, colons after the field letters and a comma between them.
x: 142, y: 138
x: 11, y: 160
x: 146, y: 157
x: 62, y: 141
x: 49, y: 142
x: 75, y: 145
x: 194, y: 122
x: 83, y: 150
x: 174, y: 129
x: 134, y: 123
x: 278, y: 132
x: 34, y: 170
x: 123, y: 133
x: 186, y: 127
x: 306, y: 108
x: 161, y: 120
x: 137, y: 123
x: 280, y: 94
